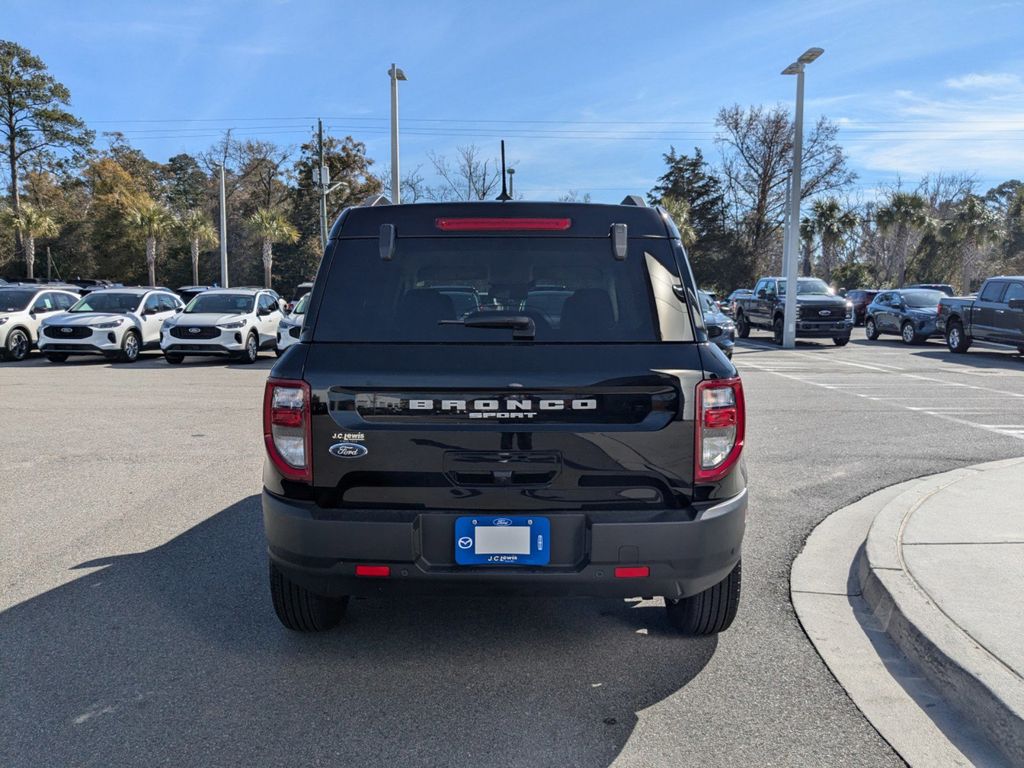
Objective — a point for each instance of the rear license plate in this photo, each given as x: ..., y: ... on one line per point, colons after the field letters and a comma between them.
x: 497, y: 540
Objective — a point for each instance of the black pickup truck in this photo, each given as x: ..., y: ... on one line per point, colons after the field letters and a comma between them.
x: 996, y: 315
x: 820, y: 313
x: 415, y: 444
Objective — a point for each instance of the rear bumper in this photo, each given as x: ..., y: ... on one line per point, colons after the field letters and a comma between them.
x: 686, y: 552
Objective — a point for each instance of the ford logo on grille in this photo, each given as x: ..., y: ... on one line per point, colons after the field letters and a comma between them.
x: 348, y: 450
x: 824, y: 312
x: 193, y: 330
x: 65, y: 330
x: 503, y: 521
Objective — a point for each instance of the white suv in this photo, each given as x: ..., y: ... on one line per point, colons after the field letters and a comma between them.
x: 117, y: 323
x: 291, y: 326
x: 22, y: 309
x: 237, y: 322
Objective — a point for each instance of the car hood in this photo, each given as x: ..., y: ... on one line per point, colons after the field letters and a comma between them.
x: 204, y: 318
x: 78, y: 319
x: 824, y: 301
x: 716, y: 318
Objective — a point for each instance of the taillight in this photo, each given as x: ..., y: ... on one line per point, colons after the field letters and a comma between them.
x: 719, y: 428
x: 286, y: 428
x: 494, y: 224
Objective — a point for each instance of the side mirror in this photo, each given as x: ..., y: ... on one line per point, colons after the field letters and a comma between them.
x: 1016, y: 303
x: 762, y: 293
x: 263, y: 311
x: 178, y: 310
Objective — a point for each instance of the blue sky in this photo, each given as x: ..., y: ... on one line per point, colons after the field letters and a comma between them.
x: 588, y: 94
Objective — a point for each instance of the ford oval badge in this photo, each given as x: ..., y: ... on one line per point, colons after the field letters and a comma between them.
x: 348, y: 450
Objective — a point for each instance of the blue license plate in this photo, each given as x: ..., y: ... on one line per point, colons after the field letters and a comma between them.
x: 498, y: 540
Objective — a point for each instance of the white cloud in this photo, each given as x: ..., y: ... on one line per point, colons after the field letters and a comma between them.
x: 977, y: 81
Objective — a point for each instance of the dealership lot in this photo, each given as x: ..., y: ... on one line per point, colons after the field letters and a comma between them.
x: 135, y: 626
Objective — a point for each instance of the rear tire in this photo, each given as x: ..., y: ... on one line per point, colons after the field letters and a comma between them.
x: 742, y: 326
x: 252, y: 350
x: 956, y: 339
x: 301, y: 610
x: 173, y: 358
x: 708, y: 612
x: 57, y: 357
x: 870, y: 329
x: 130, y: 346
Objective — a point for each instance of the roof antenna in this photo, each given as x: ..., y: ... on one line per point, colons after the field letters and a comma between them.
x: 504, y: 196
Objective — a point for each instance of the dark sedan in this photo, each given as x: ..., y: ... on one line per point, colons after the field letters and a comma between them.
x: 729, y: 305
x: 909, y: 314
x: 861, y: 298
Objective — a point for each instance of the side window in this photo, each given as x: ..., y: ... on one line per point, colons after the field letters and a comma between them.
x: 152, y: 303
x: 64, y: 301
x: 44, y: 303
x: 758, y: 287
x: 267, y: 302
x: 1015, y: 291
x: 993, y: 290
x: 883, y: 299
x: 167, y: 303
x: 769, y: 287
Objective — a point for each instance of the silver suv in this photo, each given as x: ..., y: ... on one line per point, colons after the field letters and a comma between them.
x: 235, y: 322
x: 22, y: 310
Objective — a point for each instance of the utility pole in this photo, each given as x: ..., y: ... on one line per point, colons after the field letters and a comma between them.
x: 223, y: 233
x: 49, y: 264
x: 795, y: 190
x: 396, y: 186
x: 320, y: 173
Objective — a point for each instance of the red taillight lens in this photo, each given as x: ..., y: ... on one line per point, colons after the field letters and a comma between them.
x: 373, y: 571
x: 719, y: 428
x: 632, y: 572
x: 286, y: 428
x: 501, y: 224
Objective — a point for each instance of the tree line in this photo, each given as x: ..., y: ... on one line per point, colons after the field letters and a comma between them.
x: 103, y: 209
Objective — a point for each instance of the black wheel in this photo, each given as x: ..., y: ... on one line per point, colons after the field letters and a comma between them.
x: 708, y: 612
x: 870, y: 329
x: 252, y: 349
x: 278, y: 351
x: 908, y: 334
x: 130, y: 346
x: 301, y: 610
x: 840, y: 341
x: 777, y: 331
x: 742, y: 326
x: 173, y: 359
x: 56, y: 357
x: 17, y: 346
x: 956, y: 339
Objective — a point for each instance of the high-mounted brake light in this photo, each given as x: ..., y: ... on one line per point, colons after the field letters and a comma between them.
x: 719, y: 428
x: 286, y: 428
x: 501, y: 224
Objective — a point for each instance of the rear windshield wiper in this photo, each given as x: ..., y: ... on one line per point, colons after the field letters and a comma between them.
x: 522, y: 326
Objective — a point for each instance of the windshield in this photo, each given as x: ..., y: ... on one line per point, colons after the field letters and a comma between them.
x: 923, y: 299
x: 300, y: 307
x: 15, y: 301
x: 808, y: 286
x: 221, y: 303
x: 706, y: 303
x: 107, y: 302
x: 443, y: 289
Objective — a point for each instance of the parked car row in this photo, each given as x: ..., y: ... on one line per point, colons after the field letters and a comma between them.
x: 121, y: 322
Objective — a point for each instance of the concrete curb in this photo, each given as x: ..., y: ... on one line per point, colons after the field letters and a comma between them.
x: 971, y: 679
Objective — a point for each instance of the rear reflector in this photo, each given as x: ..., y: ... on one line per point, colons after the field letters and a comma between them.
x: 501, y: 225
x: 373, y: 571
x: 632, y: 572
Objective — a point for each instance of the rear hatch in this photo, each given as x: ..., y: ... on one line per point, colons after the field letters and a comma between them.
x: 502, y: 373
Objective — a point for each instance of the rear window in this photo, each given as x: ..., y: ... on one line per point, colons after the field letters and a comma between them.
x: 573, y: 289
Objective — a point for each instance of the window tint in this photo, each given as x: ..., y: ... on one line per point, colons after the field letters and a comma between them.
x: 267, y: 301
x: 152, y: 303
x: 993, y: 290
x: 221, y: 303
x: 44, y: 303
x: 107, y: 302
x: 1015, y: 291
x: 573, y: 289
x: 63, y: 300
x: 14, y: 300
x: 167, y: 303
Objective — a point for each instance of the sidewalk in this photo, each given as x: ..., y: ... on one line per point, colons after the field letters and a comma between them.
x: 914, y: 598
x: 944, y: 574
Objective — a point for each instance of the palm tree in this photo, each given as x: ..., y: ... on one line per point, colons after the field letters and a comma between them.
x: 271, y: 227
x: 200, y: 233
x: 807, y: 235
x: 973, y: 224
x: 832, y: 224
x: 904, y: 211
x: 153, y: 221
x: 31, y: 222
x: 679, y: 210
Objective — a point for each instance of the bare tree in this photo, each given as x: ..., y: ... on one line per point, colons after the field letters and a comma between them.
x: 574, y: 196
x: 470, y: 177
x: 414, y: 187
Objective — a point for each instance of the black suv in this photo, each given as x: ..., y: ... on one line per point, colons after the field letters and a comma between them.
x: 592, y: 448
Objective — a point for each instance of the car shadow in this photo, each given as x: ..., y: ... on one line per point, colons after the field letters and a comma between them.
x: 173, y: 656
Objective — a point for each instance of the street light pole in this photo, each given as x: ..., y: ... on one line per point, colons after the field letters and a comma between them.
x: 396, y: 187
x: 792, y: 238
x: 223, y: 233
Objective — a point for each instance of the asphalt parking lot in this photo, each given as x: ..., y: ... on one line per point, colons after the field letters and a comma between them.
x: 136, y: 629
